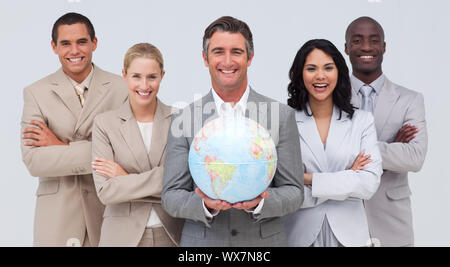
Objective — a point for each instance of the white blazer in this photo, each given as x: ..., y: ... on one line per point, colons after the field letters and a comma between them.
x: 336, y: 192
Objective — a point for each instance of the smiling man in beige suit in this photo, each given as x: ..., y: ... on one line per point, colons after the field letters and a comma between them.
x: 56, y: 125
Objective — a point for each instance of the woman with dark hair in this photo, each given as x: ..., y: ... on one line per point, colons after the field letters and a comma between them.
x: 341, y: 160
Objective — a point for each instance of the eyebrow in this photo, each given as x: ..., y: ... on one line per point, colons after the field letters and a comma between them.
x: 238, y: 49
x: 67, y: 41
x: 313, y: 65
x: 222, y: 49
x: 371, y: 35
x: 217, y: 49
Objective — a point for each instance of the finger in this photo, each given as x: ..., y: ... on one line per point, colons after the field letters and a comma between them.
x: 31, y: 143
x: 31, y: 136
x: 365, y: 157
x: 37, y: 143
x: 237, y: 205
x: 103, y: 169
x: 362, y: 159
x: 264, y: 194
x: 100, y: 159
x: 32, y: 130
x: 411, y: 130
x: 105, y: 162
x: 407, y: 140
x: 40, y: 124
x: 199, y: 192
x: 224, y: 205
x: 98, y: 165
x: 365, y: 162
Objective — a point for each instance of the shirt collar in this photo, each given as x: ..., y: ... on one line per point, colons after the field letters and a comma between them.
x: 377, y: 85
x: 86, y: 82
x: 223, y: 107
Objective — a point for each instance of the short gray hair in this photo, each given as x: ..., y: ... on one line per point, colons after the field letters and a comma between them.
x: 229, y: 24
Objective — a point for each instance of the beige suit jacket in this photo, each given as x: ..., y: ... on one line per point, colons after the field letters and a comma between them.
x: 67, y: 206
x: 130, y: 198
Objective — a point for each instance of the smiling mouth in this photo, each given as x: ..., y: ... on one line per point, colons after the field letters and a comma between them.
x: 367, y: 57
x: 75, y: 60
x: 228, y: 71
x: 144, y: 93
x: 320, y: 86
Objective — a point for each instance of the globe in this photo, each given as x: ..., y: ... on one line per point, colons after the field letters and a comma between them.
x: 232, y: 158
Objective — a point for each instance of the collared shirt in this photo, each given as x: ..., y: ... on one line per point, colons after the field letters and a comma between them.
x: 377, y: 85
x: 225, y: 108
x: 86, y: 83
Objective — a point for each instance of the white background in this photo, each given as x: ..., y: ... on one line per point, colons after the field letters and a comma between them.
x: 417, y: 36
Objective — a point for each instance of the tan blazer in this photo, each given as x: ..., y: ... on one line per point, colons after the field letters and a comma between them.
x: 130, y: 198
x: 67, y: 206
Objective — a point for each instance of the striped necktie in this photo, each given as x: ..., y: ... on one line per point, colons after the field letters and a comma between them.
x: 80, y: 92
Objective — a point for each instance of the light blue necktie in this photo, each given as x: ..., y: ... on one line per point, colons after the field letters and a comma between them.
x: 367, y: 99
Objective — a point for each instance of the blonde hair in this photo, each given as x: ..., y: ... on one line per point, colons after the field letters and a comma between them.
x: 143, y: 50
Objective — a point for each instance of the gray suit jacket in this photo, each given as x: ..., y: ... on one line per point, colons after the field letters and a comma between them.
x: 234, y: 227
x: 389, y: 210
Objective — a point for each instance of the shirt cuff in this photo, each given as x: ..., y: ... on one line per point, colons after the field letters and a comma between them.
x: 257, y: 210
x: 208, y: 214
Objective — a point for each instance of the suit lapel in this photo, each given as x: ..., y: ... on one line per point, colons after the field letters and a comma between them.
x: 64, y: 89
x: 384, y: 105
x: 95, y: 94
x: 310, y: 134
x: 133, y: 138
x: 206, y: 104
x: 336, y: 135
x: 161, y: 125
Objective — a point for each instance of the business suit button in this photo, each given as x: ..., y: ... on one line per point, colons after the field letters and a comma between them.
x: 85, y: 192
x: 234, y: 232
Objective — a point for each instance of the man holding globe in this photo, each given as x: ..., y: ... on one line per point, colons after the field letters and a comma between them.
x: 210, y: 219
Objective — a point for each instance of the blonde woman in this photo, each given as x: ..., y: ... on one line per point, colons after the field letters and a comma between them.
x: 128, y: 149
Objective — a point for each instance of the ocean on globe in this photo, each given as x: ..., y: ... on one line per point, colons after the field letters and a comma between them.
x: 232, y: 158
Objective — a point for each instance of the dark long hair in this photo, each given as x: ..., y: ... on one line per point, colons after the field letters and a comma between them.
x: 299, y: 96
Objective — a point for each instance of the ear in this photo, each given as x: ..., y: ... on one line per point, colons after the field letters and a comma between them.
x: 249, y: 61
x: 94, y: 42
x: 205, y: 59
x: 162, y: 74
x: 384, y: 47
x: 124, y: 74
x: 346, y: 48
x: 54, y: 47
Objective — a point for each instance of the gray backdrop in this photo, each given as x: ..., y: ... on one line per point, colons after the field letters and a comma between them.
x: 417, y: 36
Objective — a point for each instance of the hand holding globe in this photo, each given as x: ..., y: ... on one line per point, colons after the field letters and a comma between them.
x: 217, y: 204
